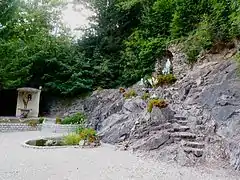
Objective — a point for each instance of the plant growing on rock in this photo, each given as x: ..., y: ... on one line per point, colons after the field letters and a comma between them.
x: 78, y: 118
x: 145, y: 96
x: 131, y: 93
x: 122, y: 90
x: 160, y: 103
x: 167, y: 79
x: 99, y: 89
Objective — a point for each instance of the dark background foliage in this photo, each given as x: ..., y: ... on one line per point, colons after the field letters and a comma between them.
x: 121, y: 45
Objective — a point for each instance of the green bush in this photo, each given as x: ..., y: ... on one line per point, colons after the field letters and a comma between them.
x: 198, y: 41
x: 88, y: 135
x: 78, y: 118
x: 145, y: 96
x: 167, y: 79
x: 131, y: 93
x: 160, y: 103
x: 72, y: 139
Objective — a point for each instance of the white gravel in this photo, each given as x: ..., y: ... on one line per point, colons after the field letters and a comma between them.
x: 104, y: 163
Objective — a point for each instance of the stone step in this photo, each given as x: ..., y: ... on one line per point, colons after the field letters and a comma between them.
x: 183, y: 135
x: 201, y: 127
x: 161, y: 127
x: 197, y: 152
x: 180, y: 129
x: 178, y: 117
x: 192, y: 144
x: 182, y: 122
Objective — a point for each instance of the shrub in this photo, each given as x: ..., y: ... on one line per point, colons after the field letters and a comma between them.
x: 77, y: 118
x: 99, y: 89
x: 71, y: 139
x: 122, y: 90
x: 160, y: 103
x: 167, y: 79
x: 80, y: 129
x: 58, y: 120
x: 88, y: 135
x: 131, y: 93
x: 33, y: 123
x: 41, y: 120
x: 198, y: 41
x: 145, y: 96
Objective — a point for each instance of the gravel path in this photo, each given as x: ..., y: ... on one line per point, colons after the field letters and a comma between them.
x: 104, y: 163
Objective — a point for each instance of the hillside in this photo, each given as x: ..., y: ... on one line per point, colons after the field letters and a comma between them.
x: 199, y: 126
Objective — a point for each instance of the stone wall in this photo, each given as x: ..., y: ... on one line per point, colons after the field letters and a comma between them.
x: 18, y: 127
x: 54, y: 128
x: 59, y: 128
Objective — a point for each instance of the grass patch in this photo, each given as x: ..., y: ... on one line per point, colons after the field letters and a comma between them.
x: 145, y: 96
x: 167, y: 79
x: 160, y: 103
x: 131, y: 93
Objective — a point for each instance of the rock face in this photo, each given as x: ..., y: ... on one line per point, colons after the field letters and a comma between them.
x: 201, y: 123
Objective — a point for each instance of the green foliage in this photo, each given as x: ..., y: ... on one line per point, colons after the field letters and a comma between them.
x: 160, y: 103
x: 122, y: 44
x: 145, y: 96
x: 71, y: 139
x: 33, y: 123
x: 40, y: 120
x: 198, y: 41
x: 89, y: 135
x: 58, y: 120
x: 129, y: 94
x: 167, y: 79
x: 77, y: 118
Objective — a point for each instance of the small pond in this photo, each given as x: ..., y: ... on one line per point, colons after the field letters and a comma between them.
x: 46, y: 142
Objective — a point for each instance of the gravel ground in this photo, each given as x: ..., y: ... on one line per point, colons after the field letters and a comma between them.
x: 103, y: 163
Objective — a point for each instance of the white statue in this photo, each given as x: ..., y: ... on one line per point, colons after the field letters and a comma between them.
x: 167, y: 67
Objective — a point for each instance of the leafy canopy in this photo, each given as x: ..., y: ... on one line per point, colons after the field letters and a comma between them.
x: 121, y: 45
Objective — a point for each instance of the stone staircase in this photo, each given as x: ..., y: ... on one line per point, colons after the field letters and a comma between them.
x: 179, y: 132
x: 190, y: 142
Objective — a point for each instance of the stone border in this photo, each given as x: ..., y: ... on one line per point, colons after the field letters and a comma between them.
x: 25, y: 145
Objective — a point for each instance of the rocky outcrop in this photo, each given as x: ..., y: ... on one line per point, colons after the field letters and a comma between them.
x: 201, y: 123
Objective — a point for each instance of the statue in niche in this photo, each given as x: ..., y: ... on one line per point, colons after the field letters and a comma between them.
x: 164, y: 65
x: 26, y: 97
x: 167, y: 68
